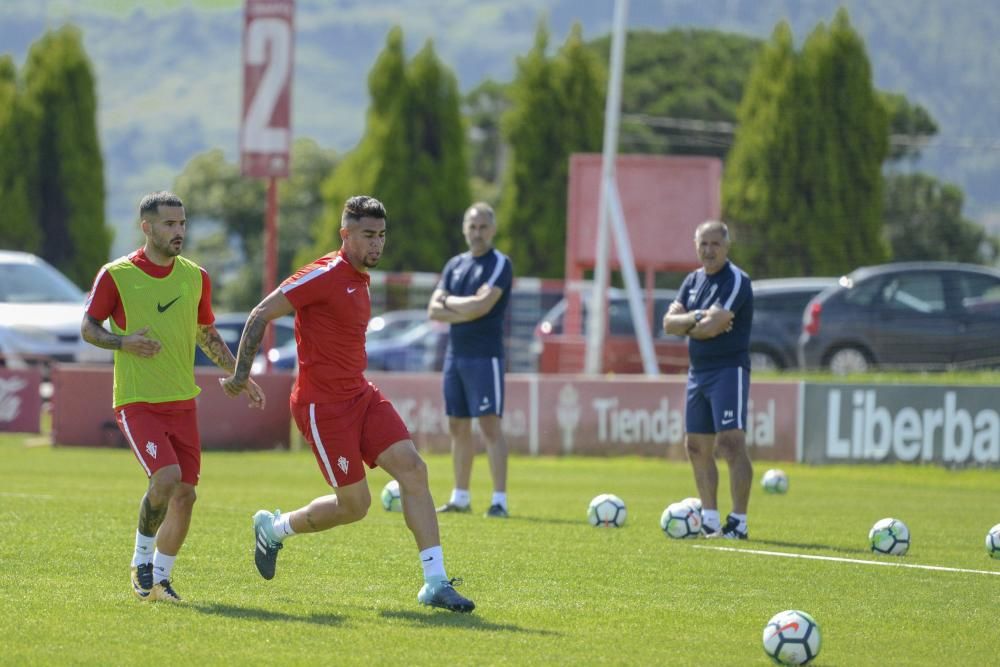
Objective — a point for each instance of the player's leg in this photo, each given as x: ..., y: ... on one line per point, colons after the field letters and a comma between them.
x: 463, y: 447
x: 386, y: 442
x: 496, y: 451
x: 334, y: 433
x: 149, y: 442
x: 700, y: 444
x: 182, y: 431
x: 402, y: 461
x: 729, y: 401
x: 489, y: 384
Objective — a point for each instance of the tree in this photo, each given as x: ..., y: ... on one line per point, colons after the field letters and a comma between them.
x: 483, y: 107
x: 557, y: 107
x: 59, y: 82
x: 226, y: 212
x: 18, y: 172
x: 910, y: 125
x: 804, y: 183
x: 851, y: 143
x: 412, y: 157
x: 761, y: 178
x: 923, y: 218
x: 680, y: 74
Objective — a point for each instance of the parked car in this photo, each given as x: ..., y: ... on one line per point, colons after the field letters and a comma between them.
x: 230, y: 327
x: 912, y: 315
x: 415, y: 344
x: 561, y: 351
x: 40, y: 315
x: 778, y: 305
x: 394, y: 323
x: 397, y: 340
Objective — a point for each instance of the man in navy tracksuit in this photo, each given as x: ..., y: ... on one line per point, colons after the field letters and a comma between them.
x: 714, y: 308
x: 472, y: 296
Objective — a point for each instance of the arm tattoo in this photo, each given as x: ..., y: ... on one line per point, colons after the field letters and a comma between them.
x: 150, y: 517
x: 215, y: 348
x: 97, y: 335
x: 253, y: 333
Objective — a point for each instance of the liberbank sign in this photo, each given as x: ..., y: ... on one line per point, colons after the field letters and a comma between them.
x: 951, y: 426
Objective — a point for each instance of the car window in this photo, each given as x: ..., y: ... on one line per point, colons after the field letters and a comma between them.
x: 792, y: 302
x: 978, y: 292
x: 915, y: 292
x: 865, y: 293
x: 36, y: 283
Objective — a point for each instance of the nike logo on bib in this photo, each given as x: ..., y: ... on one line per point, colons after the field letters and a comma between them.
x: 163, y: 309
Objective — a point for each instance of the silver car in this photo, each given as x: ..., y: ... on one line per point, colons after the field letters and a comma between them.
x: 40, y: 314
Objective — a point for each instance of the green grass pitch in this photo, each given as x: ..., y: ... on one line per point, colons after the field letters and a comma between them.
x: 549, y: 589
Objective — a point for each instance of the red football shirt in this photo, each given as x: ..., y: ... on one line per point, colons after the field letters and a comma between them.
x: 332, y: 309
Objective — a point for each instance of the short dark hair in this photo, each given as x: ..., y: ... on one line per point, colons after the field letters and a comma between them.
x: 152, y: 202
x: 361, y: 206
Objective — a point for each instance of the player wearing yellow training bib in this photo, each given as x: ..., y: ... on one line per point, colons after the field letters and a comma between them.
x: 159, y: 305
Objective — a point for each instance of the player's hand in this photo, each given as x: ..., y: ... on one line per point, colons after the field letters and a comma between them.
x: 137, y: 344
x: 256, y: 394
x: 233, y: 387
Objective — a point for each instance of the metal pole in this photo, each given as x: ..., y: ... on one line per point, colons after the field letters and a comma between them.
x: 596, y: 320
x: 270, y: 280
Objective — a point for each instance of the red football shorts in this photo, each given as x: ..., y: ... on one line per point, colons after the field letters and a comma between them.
x: 161, y: 436
x: 348, y: 433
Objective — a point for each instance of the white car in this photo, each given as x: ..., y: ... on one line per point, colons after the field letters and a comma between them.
x: 40, y: 314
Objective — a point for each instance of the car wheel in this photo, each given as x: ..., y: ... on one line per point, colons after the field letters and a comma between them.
x: 764, y: 361
x: 848, y: 360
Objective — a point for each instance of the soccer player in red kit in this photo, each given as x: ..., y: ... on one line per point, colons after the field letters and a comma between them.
x: 345, y: 418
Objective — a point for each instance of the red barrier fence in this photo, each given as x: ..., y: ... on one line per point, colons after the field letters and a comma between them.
x: 20, y: 401
x: 578, y: 414
x: 82, y: 413
x: 543, y: 415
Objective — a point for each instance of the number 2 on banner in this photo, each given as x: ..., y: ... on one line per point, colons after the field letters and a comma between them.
x: 259, y: 136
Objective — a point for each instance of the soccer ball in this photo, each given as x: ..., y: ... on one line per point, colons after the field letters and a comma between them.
x: 889, y: 536
x: 694, y: 503
x: 390, y: 497
x: 681, y: 521
x: 791, y: 638
x: 775, y: 481
x: 607, y: 510
x: 993, y: 542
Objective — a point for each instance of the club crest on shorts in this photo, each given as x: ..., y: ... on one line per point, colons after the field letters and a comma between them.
x: 151, y: 448
x: 342, y: 464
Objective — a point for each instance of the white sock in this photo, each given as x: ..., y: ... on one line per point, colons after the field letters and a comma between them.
x: 283, y: 528
x: 500, y: 498
x: 460, y: 497
x: 432, y: 560
x: 742, y: 518
x: 162, y: 565
x: 143, y: 549
x: 710, y: 519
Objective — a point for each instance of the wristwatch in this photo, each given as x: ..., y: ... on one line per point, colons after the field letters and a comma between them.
x: 699, y: 315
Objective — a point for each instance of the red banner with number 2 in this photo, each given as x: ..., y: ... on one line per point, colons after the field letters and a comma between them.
x: 268, y: 48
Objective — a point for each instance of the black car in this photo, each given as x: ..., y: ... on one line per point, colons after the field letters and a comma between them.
x: 778, y: 304
x: 908, y: 315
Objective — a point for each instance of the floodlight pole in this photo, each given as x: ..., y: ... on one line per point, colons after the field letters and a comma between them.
x: 610, y: 205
